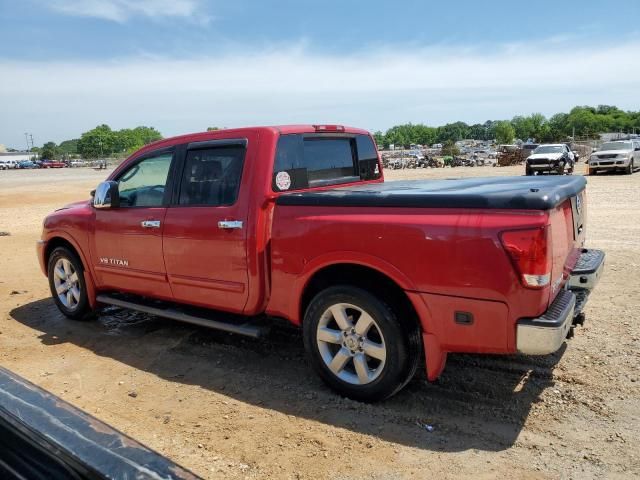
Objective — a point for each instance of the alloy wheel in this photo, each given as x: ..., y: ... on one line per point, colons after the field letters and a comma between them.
x: 351, y: 344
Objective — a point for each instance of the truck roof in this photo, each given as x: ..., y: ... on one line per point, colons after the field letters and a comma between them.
x: 273, y: 129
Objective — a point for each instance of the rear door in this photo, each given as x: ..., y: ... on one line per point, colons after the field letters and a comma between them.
x: 205, y: 234
x: 127, y: 241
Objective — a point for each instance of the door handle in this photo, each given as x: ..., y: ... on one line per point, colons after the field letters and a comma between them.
x: 230, y: 224
x: 150, y: 224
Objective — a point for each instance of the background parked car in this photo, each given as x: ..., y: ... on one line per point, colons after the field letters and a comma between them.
x: 7, y: 164
x: 27, y: 164
x: 53, y: 164
x: 623, y: 155
x: 550, y: 158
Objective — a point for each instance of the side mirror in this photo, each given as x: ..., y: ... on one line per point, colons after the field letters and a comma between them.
x: 106, y: 195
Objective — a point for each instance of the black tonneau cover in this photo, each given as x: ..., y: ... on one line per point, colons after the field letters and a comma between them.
x: 523, y: 193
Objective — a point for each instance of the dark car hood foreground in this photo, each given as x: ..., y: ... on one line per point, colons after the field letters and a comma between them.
x: 522, y: 193
x: 44, y: 437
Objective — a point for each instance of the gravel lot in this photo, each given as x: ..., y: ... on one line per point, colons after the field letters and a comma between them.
x: 228, y: 407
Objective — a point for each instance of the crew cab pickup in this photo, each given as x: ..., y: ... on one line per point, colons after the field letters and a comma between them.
x: 234, y: 228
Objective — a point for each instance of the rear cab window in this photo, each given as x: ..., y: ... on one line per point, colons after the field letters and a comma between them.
x: 317, y: 160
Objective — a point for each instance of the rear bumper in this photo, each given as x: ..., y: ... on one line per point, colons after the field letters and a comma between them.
x: 546, y: 333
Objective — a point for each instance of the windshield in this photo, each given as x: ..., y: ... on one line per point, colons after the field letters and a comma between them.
x: 616, y: 146
x: 548, y: 149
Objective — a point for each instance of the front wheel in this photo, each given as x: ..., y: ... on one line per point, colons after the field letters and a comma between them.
x: 358, y: 345
x: 629, y: 170
x: 67, y: 285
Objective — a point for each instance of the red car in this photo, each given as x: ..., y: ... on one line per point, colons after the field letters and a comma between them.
x: 52, y: 164
x: 296, y: 222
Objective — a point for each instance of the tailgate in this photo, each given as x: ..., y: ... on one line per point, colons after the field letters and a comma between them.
x: 568, y: 228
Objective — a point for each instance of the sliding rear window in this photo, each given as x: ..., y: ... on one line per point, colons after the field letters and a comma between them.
x: 304, y: 161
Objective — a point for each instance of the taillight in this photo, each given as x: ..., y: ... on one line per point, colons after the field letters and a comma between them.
x: 530, y: 252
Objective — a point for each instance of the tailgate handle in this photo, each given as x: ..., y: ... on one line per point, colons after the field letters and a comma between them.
x: 150, y: 224
x: 230, y: 224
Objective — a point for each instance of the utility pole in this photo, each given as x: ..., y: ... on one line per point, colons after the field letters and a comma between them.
x: 26, y: 139
x: 31, y: 136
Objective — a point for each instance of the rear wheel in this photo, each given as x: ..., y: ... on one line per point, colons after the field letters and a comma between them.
x: 66, y: 281
x: 529, y: 171
x: 358, y: 345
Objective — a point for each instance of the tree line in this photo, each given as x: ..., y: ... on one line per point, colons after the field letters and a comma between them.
x: 581, y: 121
x: 101, y: 142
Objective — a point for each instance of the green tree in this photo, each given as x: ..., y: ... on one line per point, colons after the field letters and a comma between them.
x: 68, y: 147
x: 49, y: 151
x: 505, y: 132
x: 97, y: 143
x: 558, y: 130
x: 104, y: 142
x: 147, y: 135
x: 453, y: 131
x: 212, y: 129
x: 379, y: 138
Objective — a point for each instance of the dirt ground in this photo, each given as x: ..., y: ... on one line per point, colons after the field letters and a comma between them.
x: 229, y: 407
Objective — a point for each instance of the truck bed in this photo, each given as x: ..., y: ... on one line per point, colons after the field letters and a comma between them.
x: 522, y: 193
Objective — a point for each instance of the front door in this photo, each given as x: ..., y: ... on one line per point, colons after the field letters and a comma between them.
x: 127, y: 249
x: 205, y: 233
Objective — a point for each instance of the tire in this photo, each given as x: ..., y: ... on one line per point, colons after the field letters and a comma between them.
x: 592, y: 171
x: 65, y: 270
x: 629, y: 169
x: 529, y: 171
x: 373, y: 356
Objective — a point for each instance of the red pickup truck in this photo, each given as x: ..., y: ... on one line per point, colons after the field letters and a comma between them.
x: 296, y: 222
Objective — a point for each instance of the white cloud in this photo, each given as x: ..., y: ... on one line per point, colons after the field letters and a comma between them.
x: 123, y: 10
x: 59, y: 100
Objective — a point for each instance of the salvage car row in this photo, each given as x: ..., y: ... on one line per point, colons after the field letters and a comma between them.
x: 28, y: 164
x: 616, y: 156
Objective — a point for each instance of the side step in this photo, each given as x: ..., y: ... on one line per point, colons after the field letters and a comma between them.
x: 160, y: 309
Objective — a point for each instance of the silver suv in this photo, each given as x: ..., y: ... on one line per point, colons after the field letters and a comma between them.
x: 621, y: 155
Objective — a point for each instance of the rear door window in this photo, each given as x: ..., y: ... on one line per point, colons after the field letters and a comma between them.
x: 212, y: 176
x: 304, y: 161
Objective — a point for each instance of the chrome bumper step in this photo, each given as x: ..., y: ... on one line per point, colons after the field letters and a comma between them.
x: 587, y: 270
x: 545, y: 334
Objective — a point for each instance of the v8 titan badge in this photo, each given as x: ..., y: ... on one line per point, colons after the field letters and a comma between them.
x: 283, y: 181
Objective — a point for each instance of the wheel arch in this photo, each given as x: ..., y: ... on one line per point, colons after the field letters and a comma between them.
x: 363, y: 276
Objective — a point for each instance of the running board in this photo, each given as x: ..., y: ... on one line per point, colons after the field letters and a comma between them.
x: 175, y: 313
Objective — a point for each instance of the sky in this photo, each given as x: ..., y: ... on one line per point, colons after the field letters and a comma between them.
x: 183, y: 65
